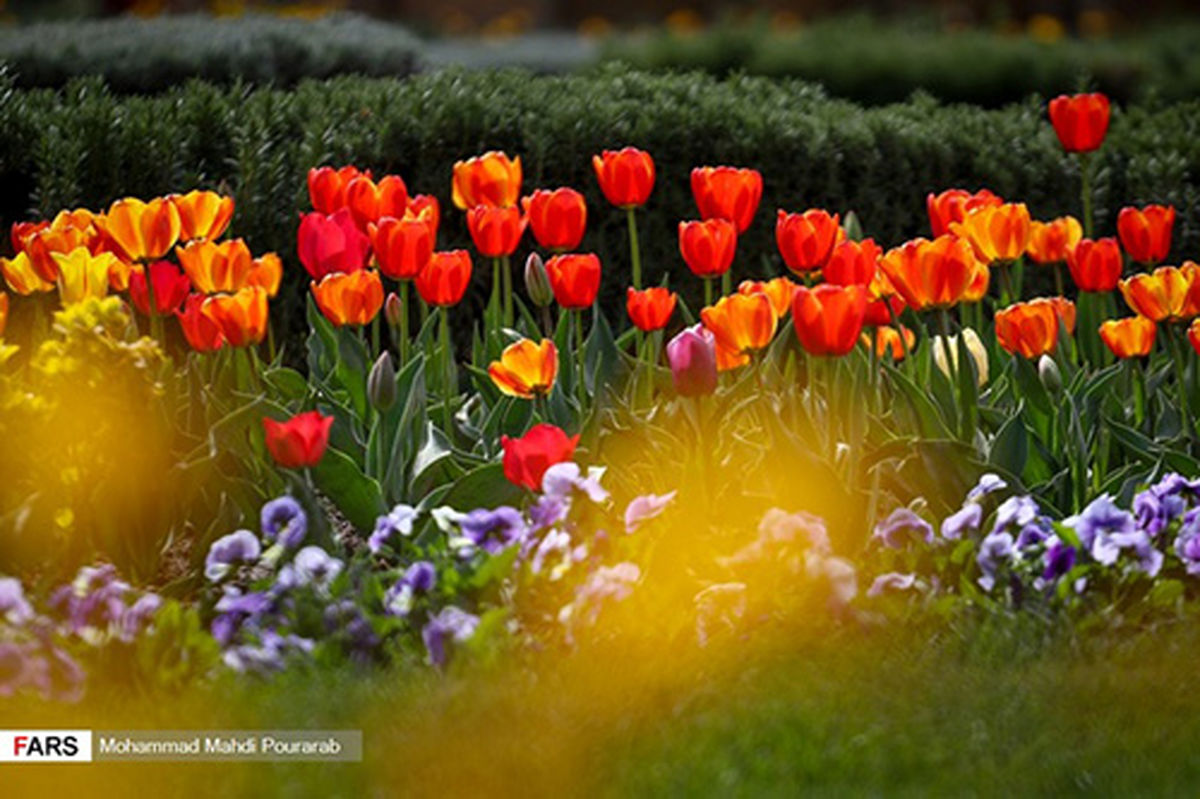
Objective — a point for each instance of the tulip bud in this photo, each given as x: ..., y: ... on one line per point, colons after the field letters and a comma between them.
x: 1050, y: 375
x: 692, y: 355
x: 853, y: 227
x: 975, y: 348
x: 537, y: 282
x: 393, y: 311
x: 381, y: 383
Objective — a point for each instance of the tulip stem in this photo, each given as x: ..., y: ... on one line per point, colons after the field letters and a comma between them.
x: 726, y: 283
x: 1138, y: 376
x: 708, y: 291
x: 635, y: 254
x: 1085, y: 184
x: 1174, y: 340
x: 506, y: 272
x: 402, y: 327
x: 896, y: 324
x: 494, y: 304
x: 579, y: 356
x: 447, y: 364
x: 375, y: 336
x: 1058, y: 280
x: 152, y: 305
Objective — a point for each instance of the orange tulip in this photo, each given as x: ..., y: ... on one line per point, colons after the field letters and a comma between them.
x: 979, y: 285
x: 708, y: 246
x: 491, y: 179
x: 266, y: 272
x: 22, y: 232
x: 214, y: 267
x: 574, y: 279
x: 828, y: 319
x: 370, y: 202
x: 558, y: 218
x: 327, y: 187
x: 726, y: 192
x: 887, y: 342
x: 425, y: 207
x: 779, y: 291
x: 1095, y: 265
x: 82, y: 275
x: 932, y: 274
x: 201, y: 332
x: 741, y: 323
x: 241, y: 316
x: 1132, y: 337
x: 143, y: 230
x: 1051, y: 242
x: 402, y: 246
x: 998, y: 233
x: 1031, y: 328
x: 1194, y: 335
x: 729, y: 358
x: 1080, y: 121
x: 526, y: 369
x: 1168, y: 293
x: 21, y: 277
x: 443, y: 280
x: 202, y: 214
x: 352, y: 298
x: 496, y: 231
x: 853, y: 263
x: 626, y: 176
x: 1146, y: 233
x: 806, y: 240
x: 1064, y: 310
x: 650, y: 309
x: 65, y: 234
x: 953, y: 205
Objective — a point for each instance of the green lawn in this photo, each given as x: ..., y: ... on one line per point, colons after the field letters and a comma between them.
x: 863, y: 711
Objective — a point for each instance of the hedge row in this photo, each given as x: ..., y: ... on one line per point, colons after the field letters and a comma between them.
x: 873, y: 62
x: 85, y: 146
x: 150, y: 55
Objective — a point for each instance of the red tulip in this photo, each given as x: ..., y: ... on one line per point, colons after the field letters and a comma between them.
x: 1080, y: 121
x: 853, y: 263
x: 402, y: 246
x: 725, y: 192
x: 426, y: 207
x: 443, y: 281
x: 708, y: 246
x: 495, y: 230
x: 953, y: 205
x: 299, y: 442
x: 527, y: 458
x: 574, y: 279
x: 828, y: 319
x: 1146, y: 233
x: 626, y: 176
x: 171, y: 288
x: 327, y: 187
x: 203, y: 334
x: 1095, y: 265
x: 558, y: 218
x: 650, y: 309
x: 331, y: 243
x: 369, y: 201
x: 806, y: 240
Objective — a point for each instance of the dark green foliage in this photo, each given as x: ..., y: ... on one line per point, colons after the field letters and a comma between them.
x: 877, y: 62
x: 150, y: 55
x: 83, y: 146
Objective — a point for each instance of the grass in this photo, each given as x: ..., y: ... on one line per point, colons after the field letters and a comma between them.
x: 1003, y: 709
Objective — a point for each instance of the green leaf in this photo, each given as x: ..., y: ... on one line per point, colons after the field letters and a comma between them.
x: 483, y: 487
x: 1010, y: 447
x: 357, y: 496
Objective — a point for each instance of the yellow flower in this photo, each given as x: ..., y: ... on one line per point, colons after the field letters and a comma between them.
x: 20, y: 276
x: 83, y: 275
x: 526, y: 369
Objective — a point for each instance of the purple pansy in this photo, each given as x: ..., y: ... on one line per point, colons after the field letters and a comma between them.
x: 13, y: 606
x: 1059, y: 558
x: 1097, y: 525
x: 902, y: 527
x: 968, y: 518
x: 315, y: 567
x: 451, y: 624
x: 988, y: 484
x: 399, y: 521
x: 566, y: 478
x: 229, y: 551
x: 490, y: 530
x: 644, y: 508
x: 284, y: 520
x: 892, y: 581
x: 995, y: 550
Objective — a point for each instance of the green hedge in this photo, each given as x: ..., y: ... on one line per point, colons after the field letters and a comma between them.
x: 150, y: 55
x: 83, y: 146
x: 878, y: 62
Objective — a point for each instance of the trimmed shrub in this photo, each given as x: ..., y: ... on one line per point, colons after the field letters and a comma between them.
x: 84, y: 146
x: 150, y: 55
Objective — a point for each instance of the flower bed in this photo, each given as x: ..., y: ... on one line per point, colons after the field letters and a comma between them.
x: 568, y: 477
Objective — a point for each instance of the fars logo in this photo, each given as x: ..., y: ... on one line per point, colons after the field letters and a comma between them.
x: 45, y: 746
